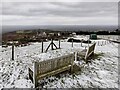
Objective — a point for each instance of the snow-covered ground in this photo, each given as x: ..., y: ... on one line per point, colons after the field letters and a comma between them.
x: 101, y: 72
x: 110, y: 37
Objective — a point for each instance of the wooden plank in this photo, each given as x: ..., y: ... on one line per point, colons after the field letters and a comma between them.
x: 54, y: 72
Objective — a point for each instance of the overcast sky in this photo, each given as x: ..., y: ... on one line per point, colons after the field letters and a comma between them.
x: 59, y: 13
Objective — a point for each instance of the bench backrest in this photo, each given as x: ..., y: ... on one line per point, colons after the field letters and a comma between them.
x: 53, y: 64
x: 46, y: 66
x: 90, y: 51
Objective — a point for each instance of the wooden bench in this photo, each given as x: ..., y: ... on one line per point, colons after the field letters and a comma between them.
x: 50, y: 67
x: 85, y: 54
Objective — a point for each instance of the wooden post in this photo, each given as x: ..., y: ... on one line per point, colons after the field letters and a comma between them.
x: 52, y: 44
x: 12, y: 52
x: 72, y: 43
x: 59, y: 44
x: 35, y: 74
x: 42, y: 46
x: 98, y: 43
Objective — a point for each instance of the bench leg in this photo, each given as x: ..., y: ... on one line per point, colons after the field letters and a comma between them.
x: 35, y: 75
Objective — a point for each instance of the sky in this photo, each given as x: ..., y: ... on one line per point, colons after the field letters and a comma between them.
x: 59, y: 12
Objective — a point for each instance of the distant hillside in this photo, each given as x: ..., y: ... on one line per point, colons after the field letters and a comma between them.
x: 59, y: 28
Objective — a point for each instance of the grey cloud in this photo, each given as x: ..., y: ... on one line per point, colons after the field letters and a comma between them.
x: 69, y: 9
x: 87, y: 9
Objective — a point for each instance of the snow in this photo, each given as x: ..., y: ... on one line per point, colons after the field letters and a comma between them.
x: 101, y: 72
